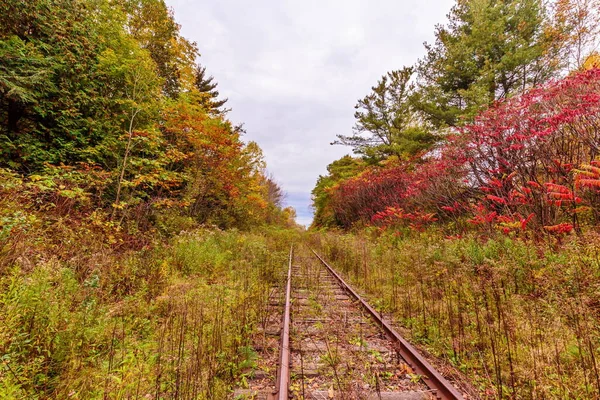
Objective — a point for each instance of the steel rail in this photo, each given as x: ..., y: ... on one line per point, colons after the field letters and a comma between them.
x: 283, y: 370
x: 433, y: 379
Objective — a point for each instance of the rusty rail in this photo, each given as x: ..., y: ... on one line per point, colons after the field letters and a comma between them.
x: 433, y: 379
x: 283, y: 370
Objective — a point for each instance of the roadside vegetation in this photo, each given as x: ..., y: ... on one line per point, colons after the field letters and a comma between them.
x: 496, y: 126
x: 172, y: 320
x: 469, y: 210
x: 140, y: 234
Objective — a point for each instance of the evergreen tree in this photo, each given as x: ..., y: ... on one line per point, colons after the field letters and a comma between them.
x: 489, y: 50
x: 50, y: 102
x: 206, y: 86
x: 386, y: 124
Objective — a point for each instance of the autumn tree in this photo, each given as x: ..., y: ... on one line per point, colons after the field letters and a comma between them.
x: 592, y: 61
x: 523, y: 152
x: 575, y: 30
x: 152, y: 24
x: 111, y: 89
x: 265, y: 194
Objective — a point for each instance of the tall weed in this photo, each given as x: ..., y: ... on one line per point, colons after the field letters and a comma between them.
x: 521, y: 319
x: 173, y: 321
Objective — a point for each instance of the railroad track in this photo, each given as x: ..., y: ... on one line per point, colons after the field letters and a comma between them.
x: 332, y: 344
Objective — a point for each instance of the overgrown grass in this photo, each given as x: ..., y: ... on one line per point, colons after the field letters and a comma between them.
x: 170, y: 321
x: 521, y: 319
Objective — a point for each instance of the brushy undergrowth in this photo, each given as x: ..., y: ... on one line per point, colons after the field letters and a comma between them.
x: 168, y: 321
x: 521, y: 319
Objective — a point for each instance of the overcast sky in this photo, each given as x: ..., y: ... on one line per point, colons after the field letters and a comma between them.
x: 293, y: 70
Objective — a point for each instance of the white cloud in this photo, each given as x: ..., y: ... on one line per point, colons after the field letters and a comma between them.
x: 294, y: 69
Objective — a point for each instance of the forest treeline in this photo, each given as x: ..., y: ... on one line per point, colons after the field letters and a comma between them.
x: 104, y: 109
x: 496, y: 127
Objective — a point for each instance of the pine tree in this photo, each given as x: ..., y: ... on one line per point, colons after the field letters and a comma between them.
x: 386, y: 124
x: 489, y: 50
x: 206, y: 86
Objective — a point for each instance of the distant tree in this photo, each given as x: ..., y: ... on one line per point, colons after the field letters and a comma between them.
x: 289, y: 215
x: 274, y: 194
x: 206, y: 86
x: 386, y: 124
x: 254, y: 157
x: 338, y: 171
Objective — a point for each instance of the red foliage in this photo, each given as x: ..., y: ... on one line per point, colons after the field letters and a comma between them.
x: 537, y: 137
x: 525, y: 221
x: 419, y: 190
x: 398, y: 217
x: 516, y: 159
x: 559, y: 228
x: 496, y: 199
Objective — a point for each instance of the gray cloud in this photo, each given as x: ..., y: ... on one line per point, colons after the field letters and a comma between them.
x: 293, y: 70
